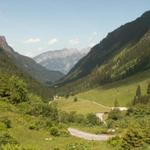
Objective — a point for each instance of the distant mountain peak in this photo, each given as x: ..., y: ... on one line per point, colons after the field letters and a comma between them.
x: 4, y: 45
x: 2, y: 39
x: 98, y: 64
x: 61, y: 60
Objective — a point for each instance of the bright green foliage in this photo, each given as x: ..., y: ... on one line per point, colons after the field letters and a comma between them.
x: 6, y: 121
x: 17, y: 90
x: 124, y: 52
x: 115, y: 114
x: 5, y: 138
x: 54, y: 131
x: 13, y: 89
x: 43, y: 109
x: 92, y: 119
x: 115, y: 141
x: 133, y: 139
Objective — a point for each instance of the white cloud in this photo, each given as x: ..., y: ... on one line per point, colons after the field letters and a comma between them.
x: 52, y: 41
x: 75, y: 41
x: 32, y: 40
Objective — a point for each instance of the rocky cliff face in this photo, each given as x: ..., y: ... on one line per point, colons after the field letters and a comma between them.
x: 61, y: 60
x: 4, y: 45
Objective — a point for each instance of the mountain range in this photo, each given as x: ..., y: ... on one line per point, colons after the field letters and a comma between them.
x: 14, y: 64
x: 27, y: 64
x: 61, y: 60
x: 123, y: 52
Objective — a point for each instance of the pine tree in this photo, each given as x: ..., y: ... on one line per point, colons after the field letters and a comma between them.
x: 148, y: 89
x: 116, y: 103
x: 138, y: 92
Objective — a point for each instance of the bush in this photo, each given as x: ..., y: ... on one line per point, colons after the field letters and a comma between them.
x: 132, y: 139
x: 75, y: 99
x: 45, y: 110
x: 92, y: 119
x: 54, y: 131
x: 115, y: 114
x: 71, y: 117
x: 2, y: 127
x: 115, y: 141
x: 5, y: 138
x: 64, y: 133
x: 17, y: 90
x: 6, y: 121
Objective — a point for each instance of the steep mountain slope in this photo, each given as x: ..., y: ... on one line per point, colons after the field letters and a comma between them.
x: 8, y: 66
x: 30, y: 66
x: 61, y: 60
x: 122, y: 53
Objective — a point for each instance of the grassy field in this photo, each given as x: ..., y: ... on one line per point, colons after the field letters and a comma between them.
x: 82, y: 106
x: 122, y: 91
x: 37, y: 138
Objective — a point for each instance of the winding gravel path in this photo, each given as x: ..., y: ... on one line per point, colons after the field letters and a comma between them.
x: 89, y: 136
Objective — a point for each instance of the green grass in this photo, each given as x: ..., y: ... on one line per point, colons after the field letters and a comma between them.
x: 36, y: 138
x: 81, y: 106
x: 123, y: 91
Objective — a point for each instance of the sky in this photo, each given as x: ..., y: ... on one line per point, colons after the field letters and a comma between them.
x: 32, y: 27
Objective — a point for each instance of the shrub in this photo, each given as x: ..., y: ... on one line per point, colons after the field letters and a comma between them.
x: 54, y: 131
x: 6, y: 121
x: 132, y: 139
x: 64, y: 133
x: 2, y: 127
x: 75, y: 99
x: 5, y: 138
x: 92, y: 119
x: 115, y: 114
x: 33, y: 127
x: 17, y: 90
x: 45, y: 110
x: 115, y: 141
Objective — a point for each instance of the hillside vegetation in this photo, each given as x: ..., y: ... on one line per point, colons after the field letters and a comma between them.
x: 8, y: 67
x: 123, y: 53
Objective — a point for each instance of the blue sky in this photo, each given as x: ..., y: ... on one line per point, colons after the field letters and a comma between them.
x: 34, y: 26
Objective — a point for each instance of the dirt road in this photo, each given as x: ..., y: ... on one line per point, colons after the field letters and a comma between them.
x: 88, y: 136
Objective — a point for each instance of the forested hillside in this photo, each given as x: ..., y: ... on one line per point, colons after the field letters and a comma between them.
x: 7, y: 66
x: 27, y: 64
x: 121, y: 54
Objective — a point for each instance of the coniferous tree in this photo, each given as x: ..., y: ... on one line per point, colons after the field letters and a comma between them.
x: 138, y: 91
x: 148, y: 89
x: 116, y: 103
